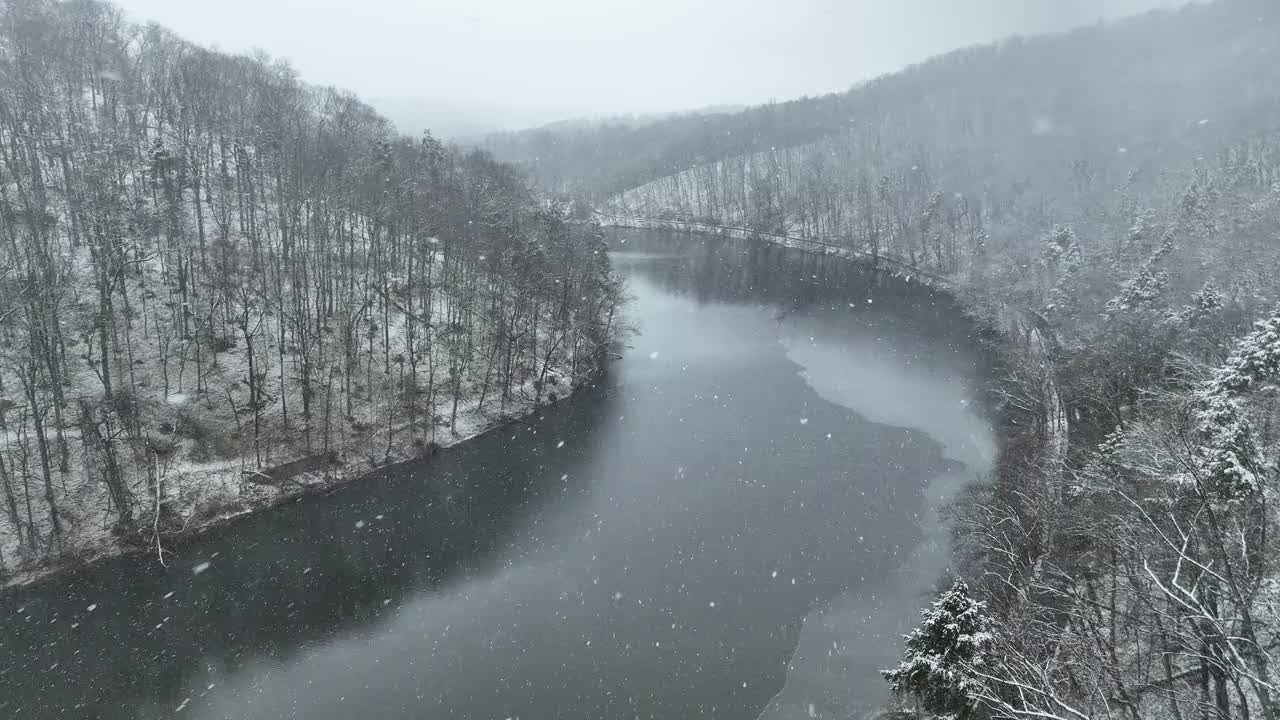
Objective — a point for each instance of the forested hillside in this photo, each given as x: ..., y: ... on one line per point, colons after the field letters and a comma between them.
x: 1138, y: 83
x: 221, y: 284
x: 1120, y: 187
x: 597, y: 160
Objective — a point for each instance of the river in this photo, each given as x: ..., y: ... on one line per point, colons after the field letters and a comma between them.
x: 737, y: 518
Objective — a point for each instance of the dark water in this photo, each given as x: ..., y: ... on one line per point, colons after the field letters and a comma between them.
x: 764, y: 453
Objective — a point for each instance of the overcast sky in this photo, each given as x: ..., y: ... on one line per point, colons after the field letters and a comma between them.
x: 508, y: 63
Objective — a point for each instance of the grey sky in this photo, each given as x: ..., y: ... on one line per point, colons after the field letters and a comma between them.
x: 509, y: 63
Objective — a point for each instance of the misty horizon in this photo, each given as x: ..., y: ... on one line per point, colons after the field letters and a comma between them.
x: 567, y: 61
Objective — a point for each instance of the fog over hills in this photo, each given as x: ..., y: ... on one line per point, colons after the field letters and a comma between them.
x: 465, y: 67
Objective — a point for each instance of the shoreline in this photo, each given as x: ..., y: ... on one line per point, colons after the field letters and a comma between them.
x: 334, y: 479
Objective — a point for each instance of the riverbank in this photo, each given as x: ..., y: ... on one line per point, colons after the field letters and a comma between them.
x: 897, y: 267
x: 245, y: 493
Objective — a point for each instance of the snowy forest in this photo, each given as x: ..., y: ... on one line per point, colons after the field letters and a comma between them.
x: 221, y: 285
x: 1115, y: 191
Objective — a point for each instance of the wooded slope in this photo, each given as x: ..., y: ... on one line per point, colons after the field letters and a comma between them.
x: 209, y: 269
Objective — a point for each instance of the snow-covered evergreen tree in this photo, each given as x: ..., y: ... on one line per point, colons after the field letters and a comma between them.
x: 1257, y: 356
x: 953, y: 638
x: 1207, y: 302
x: 1230, y: 459
x: 1065, y: 260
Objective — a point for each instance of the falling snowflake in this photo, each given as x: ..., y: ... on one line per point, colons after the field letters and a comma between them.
x: 653, y: 355
x: 200, y: 567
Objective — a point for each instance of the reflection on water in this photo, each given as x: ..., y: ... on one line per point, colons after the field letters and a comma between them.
x: 763, y: 450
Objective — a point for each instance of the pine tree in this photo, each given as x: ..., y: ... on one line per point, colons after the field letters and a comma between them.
x: 1256, y: 357
x: 1231, y: 460
x: 952, y: 638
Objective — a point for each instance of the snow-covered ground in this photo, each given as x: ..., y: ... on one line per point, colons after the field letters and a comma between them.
x: 206, y: 495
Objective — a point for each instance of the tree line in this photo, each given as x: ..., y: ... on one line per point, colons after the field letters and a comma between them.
x: 211, y: 269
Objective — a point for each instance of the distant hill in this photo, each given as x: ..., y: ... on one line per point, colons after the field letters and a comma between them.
x: 1139, y: 82
x: 448, y: 120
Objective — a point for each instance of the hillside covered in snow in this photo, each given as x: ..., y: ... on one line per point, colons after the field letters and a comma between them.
x: 221, y: 285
